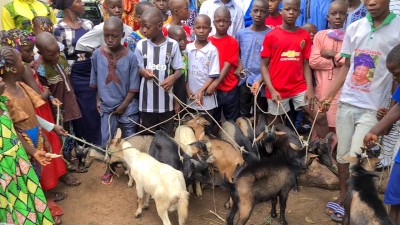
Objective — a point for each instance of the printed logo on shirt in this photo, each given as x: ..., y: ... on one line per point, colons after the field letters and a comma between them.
x: 290, y: 56
x: 168, y: 58
x: 365, y: 62
x: 158, y: 67
x: 302, y: 44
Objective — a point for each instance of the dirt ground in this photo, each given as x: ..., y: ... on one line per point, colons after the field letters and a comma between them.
x: 92, y: 203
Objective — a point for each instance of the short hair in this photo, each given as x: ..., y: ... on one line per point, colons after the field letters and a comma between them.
x: 223, y: 9
x: 156, y: 15
x: 174, y: 29
x: 265, y: 2
x: 44, y: 40
x: 139, y: 8
x: 7, y: 59
x: 343, y: 2
x: 115, y: 22
x: 206, y: 17
x: 394, y: 55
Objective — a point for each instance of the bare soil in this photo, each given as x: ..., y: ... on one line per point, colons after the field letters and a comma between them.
x: 92, y: 203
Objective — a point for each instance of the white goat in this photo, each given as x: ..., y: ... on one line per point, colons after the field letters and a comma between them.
x: 164, y: 183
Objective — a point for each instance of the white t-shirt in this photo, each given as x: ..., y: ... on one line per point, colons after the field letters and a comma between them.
x: 160, y: 59
x: 202, y: 64
x: 237, y: 16
x: 368, y: 83
x: 395, y: 6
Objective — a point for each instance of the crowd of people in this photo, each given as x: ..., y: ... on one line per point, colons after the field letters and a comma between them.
x: 335, y: 61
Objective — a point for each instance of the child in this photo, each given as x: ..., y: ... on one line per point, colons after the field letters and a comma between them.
x: 226, y: 83
x: 162, y: 5
x: 54, y: 71
x: 237, y: 15
x: 274, y: 18
x: 95, y: 38
x: 311, y: 29
x: 370, y: 37
x: 203, y: 68
x: 43, y: 24
x: 180, y: 12
x: 325, y: 57
x: 178, y: 34
x: 22, y: 101
x: 285, y: 69
x: 250, y: 43
x: 156, y: 56
x: 356, y: 11
x: 132, y: 39
x: 114, y: 74
x: 392, y: 194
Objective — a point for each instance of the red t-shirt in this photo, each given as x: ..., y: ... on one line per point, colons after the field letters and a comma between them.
x: 186, y: 28
x: 228, y: 50
x: 273, y: 22
x: 286, y: 51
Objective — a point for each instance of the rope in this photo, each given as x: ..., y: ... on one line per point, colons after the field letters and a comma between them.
x: 58, y: 115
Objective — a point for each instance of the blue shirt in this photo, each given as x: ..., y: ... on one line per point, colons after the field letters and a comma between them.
x: 250, y: 44
x: 396, y: 97
x: 314, y: 11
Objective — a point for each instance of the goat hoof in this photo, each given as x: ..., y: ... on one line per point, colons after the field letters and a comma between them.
x: 145, y: 206
x: 274, y: 215
x: 227, y: 205
x: 138, y: 214
x: 199, y: 193
x: 130, y: 185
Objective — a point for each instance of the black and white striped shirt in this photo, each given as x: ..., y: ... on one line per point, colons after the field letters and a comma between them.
x: 160, y: 59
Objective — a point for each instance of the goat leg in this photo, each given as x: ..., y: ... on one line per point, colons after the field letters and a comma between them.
x: 282, y: 203
x: 274, y: 201
x: 229, y: 203
x: 199, y: 192
x: 140, y: 193
x: 232, y: 213
x: 146, y: 200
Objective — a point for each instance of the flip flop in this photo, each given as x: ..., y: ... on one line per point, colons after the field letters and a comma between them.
x: 338, y: 215
x: 107, y: 179
x: 333, y: 206
x: 59, y: 196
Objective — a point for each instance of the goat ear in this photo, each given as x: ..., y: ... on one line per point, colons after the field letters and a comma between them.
x: 260, y: 136
x: 329, y: 136
x: 266, y: 129
x: 311, y: 155
x: 351, y: 159
x: 280, y: 133
x: 295, y: 147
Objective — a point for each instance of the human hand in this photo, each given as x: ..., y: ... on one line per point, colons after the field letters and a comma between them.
x: 275, y: 96
x: 328, y: 53
x: 98, y: 105
x: 120, y: 109
x: 168, y: 83
x: 200, y: 97
x: 45, y: 92
x: 211, y: 88
x: 147, y: 74
x: 238, y: 69
x: 255, y: 87
x: 370, y: 140
x: 190, y: 94
x: 381, y: 113
x: 60, y: 130
x: 309, y: 97
x: 41, y: 157
x: 325, y: 103
x: 55, y: 102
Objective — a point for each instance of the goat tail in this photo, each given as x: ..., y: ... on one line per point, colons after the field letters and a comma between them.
x: 183, y: 207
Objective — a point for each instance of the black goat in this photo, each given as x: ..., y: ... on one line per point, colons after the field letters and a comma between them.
x: 323, y: 149
x: 362, y: 204
x: 165, y: 150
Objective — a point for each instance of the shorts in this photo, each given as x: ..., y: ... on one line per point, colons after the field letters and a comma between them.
x: 392, y: 193
x: 352, y: 124
x: 298, y: 102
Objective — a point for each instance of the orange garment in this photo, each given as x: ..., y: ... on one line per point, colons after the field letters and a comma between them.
x: 325, y: 71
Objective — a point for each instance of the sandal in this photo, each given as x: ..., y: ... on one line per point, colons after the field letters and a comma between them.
x: 331, y: 208
x: 107, y: 179
x: 56, y: 196
x: 70, y: 180
x: 338, y: 215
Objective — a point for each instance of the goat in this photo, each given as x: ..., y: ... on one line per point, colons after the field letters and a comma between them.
x: 244, y: 124
x: 164, y: 183
x: 263, y: 181
x: 166, y: 150
x: 139, y: 142
x: 322, y: 148
x: 233, y: 131
x: 362, y: 204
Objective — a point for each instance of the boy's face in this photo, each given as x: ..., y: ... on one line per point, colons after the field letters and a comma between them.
x: 150, y: 28
x: 290, y: 11
x: 78, y: 7
x: 376, y: 7
x: 337, y: 15
x: 112, y: 36
x: 182, y: 12
x: 311, y: 29
x: 222, y: 22
x: 259, y: 12
x: 27, y: 52
x: 180, y: 37
x: 273, y: 6
x: 394, y: 68
x: 161, y: 5
x: 201, y: 29
x: 114, y: 8
x: 50, y: 53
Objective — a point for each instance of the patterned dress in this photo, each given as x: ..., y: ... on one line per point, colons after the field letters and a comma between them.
x: 22, y: 200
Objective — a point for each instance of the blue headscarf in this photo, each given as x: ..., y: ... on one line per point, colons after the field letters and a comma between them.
x: 364, y: 59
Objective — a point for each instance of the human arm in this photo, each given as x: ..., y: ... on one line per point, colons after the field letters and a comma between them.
x: 203, y: 89
x: 51, y: 126
x: 39, y: 155
x: 224, y: 71
x: 168, y: 82
x: 321, y: 56
x: 275, y: 96
x: 91, y: 40
x: 177, y: 64
x: 309, y: 96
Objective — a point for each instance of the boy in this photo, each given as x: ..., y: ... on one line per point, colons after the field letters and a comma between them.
x: 178, y: 34
x: 114, y: 75
x: 369, y: 37
x: 162, y: 5
x: 95, y: 38
x: 311, y: 29
x: 250, y: 43
x: 274, y: 18
x: 203, y: 68
x: 226, y: 83
x: 157, y: 55
x: 237, y: 20
x: 133, y: 38
x: 180, y: 12
x: 285, y: 69
x: 392, y: 194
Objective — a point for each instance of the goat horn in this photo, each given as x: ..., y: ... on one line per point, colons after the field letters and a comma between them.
x: 266, y: 129
x: 273, y: 129
x: 295, y: 147
x: 280, y: 133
